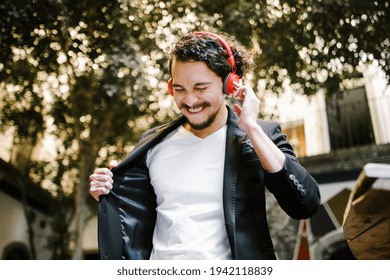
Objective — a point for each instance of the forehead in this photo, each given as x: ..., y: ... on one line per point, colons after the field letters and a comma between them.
x: 184, y: 71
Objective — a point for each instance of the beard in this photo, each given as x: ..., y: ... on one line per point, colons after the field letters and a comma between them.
x: 206, y: 123
x: 203, y: 125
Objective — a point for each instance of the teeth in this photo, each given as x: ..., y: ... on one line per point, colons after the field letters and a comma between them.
x: 195, y: 110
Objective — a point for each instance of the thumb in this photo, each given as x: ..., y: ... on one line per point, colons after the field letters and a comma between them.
x: 113, y: 164
x: 237, y: 109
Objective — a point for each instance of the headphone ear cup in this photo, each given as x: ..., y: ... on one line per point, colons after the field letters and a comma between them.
x: 170, y: 89
x: 228, y: 85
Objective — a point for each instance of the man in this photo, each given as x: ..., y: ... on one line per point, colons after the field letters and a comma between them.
x: 195, y: 188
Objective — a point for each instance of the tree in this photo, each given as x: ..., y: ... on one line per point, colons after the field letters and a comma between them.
x: 100, y: 60
x: 305, y: 45
x: 87, y: 58
x: 97, y: 70
x: 312, y: 44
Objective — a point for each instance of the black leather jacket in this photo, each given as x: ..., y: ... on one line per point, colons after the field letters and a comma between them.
x: 127, y: 214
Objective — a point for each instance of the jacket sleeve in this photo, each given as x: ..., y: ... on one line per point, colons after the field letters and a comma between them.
x: 296, y: 191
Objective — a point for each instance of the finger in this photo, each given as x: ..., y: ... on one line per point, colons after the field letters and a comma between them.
x: 113, y: 164
x: 240, y: 93
x: 238, y: 84
x: 99, y: 191
x: 100, y: 178
x: 100, y: 184
x: 104, y: 171
x: 236, y: 93
x: 237, y: 109
x: 96, y: 193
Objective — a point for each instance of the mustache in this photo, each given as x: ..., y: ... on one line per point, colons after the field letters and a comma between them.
x: 203, y: 104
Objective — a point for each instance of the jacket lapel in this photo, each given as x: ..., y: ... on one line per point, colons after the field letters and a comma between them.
x: 152, y: 138
x: 234, y: 139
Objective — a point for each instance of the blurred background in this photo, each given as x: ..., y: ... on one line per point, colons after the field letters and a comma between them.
x: 80, y: 80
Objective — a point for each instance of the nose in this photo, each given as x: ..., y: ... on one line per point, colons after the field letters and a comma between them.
x: 190, y: 98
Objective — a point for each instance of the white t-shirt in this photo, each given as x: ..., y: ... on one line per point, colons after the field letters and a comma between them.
x: 186, y: 173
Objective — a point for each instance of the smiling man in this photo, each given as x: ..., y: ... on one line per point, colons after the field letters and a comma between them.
x: 199, y: 97
x: 195, y: 187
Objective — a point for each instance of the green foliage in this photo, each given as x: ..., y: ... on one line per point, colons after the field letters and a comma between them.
x: 96, y: 71
x: 314, y: 44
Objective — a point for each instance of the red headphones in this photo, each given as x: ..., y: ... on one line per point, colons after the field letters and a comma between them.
x: 228, y: 85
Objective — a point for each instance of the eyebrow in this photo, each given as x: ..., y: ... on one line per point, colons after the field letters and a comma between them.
x: 196, y: 85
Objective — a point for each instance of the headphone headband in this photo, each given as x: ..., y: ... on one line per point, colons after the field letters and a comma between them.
x: 230, y: 80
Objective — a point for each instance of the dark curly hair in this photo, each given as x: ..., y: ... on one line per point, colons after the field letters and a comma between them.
x: 205, y: 47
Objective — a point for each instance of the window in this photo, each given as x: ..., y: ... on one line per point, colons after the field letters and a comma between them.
x: 295, y: 132
x: 349, y: 119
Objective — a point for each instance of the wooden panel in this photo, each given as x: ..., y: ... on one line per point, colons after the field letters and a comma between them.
x: 367, y: 217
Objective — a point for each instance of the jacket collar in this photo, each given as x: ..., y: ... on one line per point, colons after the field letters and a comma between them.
x: 154, y: 136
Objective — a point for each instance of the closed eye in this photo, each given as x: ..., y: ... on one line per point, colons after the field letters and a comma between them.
x: 178, y: 89
x: 200, y: 89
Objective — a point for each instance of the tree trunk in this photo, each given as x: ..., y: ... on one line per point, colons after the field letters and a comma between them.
x: 88, y: 154
x: 29, y: 220
x: 88, y: 158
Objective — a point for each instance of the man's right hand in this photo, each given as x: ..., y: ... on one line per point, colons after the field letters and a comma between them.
x: 101, y: 181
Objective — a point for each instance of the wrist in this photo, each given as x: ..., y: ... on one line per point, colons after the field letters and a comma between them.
x: 253, y: 129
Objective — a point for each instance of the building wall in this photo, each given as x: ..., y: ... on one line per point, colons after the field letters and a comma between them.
x: 378, y: 94
x: 14, y: 227
x: 295, y: 110
x: 337, y: 169
x: 90, y: 239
